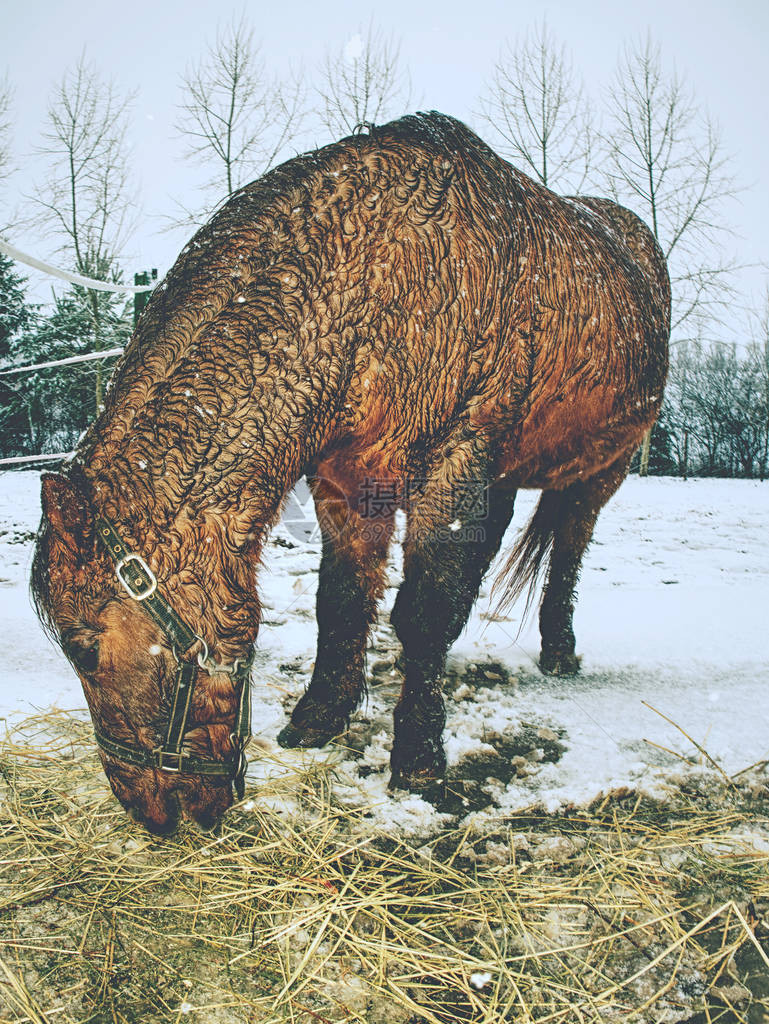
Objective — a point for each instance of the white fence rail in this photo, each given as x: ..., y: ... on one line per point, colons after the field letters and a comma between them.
x: 85, y: 282
x: 85, y: 358
x: 19, y: 460
x: 66, y: 275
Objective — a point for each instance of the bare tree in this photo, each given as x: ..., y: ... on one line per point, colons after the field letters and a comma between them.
x: 665, y: 160
x: 8, y: 217
x: 679, y: 407
x: 537, y: 106
x: 86, y: 203
x: 362, y: 83
x: 236, y: 117
x: 716, y: 410
x: 758, y: 351
x: 6, y: 94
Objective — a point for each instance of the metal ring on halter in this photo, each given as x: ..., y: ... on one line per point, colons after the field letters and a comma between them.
x: 208, y: 664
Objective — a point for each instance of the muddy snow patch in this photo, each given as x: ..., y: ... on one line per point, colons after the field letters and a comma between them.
x: 670, y: 623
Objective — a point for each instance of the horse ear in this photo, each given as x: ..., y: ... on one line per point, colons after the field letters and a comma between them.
x: 67, y: 510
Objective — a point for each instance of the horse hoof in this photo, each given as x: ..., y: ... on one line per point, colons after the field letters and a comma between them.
x: 554, y: 663
x: 309, y: 736
x: 428, y: 782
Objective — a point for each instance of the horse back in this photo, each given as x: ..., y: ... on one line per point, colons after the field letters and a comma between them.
x: 376, y: 296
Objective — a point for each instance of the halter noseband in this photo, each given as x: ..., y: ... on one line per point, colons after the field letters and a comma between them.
x: 139, y: 581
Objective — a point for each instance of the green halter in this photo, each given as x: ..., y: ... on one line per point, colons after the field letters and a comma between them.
x: 136, y: 577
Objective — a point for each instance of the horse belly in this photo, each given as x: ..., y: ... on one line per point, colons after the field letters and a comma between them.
x: 563, y: 441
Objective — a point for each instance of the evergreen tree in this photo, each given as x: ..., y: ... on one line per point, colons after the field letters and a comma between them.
x: 48, y: 409
x: 15, y: 314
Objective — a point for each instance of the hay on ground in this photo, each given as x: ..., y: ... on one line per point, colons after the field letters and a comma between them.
x: 626, y: 910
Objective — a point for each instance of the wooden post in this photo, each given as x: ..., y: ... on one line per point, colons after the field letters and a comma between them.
x: 142, y: 298
x: 643, y: 467
x: 99, y: 389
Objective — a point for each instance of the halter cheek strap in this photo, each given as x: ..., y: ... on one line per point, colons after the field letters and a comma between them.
x: 139, y: 581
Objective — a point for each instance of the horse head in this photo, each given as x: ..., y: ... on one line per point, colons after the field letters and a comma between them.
x: 171, y: 722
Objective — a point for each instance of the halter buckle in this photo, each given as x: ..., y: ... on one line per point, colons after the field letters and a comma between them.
x: 161, y: 755
x: 139, y: 589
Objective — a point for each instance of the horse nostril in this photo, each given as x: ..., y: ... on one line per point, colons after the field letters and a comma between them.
x: 207, y: 806
x: 161, y: 828
x: 158, y: 822
x: 208, y: 820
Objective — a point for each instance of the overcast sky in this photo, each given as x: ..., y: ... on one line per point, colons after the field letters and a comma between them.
x: 449, y: 47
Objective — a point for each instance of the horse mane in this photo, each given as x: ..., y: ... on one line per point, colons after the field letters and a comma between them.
x: 39, y: 577
x: 40, y: 581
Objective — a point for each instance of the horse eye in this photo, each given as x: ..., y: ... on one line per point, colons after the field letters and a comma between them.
x: 86, y: 658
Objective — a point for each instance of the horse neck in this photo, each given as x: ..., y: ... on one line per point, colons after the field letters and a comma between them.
x: 203, y: 543
x: 206, y: 426
x: 191, y: 430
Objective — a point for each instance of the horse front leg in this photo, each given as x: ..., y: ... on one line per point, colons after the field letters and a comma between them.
x: 453, y: 534
x: 351, y: 581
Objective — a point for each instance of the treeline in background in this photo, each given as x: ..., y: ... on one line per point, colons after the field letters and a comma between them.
x: 647, y: 143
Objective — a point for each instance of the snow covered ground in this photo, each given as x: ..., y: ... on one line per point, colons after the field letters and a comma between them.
x: 672, y: 613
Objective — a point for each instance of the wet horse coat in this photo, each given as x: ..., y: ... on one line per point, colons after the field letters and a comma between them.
x: 401, y: 313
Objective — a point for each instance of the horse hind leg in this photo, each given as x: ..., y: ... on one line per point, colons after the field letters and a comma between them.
x: 580, y: 506
x: 561, y: 528
x: 351, y: 581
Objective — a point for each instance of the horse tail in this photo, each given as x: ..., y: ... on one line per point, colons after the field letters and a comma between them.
x: 525, y: 565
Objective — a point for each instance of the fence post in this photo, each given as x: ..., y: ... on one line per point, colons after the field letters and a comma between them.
x: 141, y: 298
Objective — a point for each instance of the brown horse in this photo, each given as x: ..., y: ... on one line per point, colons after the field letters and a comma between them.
x: 401, y: 314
